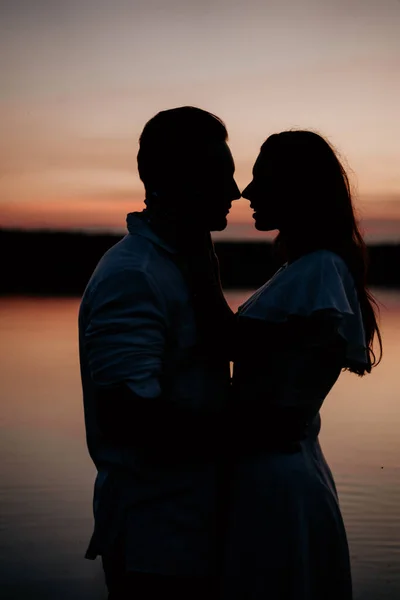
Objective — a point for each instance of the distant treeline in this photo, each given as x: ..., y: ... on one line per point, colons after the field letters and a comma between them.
x: 54, y: 263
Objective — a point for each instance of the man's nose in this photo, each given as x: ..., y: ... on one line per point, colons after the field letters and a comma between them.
x: 248, y: 191
x: 245, y: 192
x: 236, y: 194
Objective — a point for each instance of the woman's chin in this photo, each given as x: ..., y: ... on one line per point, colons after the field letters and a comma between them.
x: 263, y: 225
x: 259, y: 224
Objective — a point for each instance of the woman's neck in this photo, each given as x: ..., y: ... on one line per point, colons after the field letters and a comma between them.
x: 292, y: 245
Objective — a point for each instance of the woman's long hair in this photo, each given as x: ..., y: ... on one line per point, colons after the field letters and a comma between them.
x: 310, y: 177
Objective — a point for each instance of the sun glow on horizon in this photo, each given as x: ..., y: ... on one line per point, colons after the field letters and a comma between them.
x: 93, y: 72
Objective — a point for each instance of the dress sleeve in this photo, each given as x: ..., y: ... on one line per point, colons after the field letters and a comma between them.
x: 125, y: 335
x: 318, y: 295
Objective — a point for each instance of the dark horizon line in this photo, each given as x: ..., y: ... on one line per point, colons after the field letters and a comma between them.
x: 113, y: 233
x: 61, y: 263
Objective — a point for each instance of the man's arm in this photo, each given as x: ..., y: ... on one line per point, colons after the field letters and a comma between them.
x: 125, y: 342
x: 155, y: 426
x: 126, y: 332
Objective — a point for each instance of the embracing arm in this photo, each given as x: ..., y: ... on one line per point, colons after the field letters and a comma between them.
x: 315, y: 357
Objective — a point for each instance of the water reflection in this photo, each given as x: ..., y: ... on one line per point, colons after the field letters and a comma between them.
x: 46, y: 475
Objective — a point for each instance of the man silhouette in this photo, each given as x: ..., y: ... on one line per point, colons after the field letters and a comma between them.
x: 153, y: 333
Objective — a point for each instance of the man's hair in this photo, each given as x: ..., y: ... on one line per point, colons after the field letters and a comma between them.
x: 165, y: 140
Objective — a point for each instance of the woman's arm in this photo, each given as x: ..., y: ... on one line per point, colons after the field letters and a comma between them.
x: 304, y: 357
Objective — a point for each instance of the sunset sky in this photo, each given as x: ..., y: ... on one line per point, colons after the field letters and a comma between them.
x: 79, y: 79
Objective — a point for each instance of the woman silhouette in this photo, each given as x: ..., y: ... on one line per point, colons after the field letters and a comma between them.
x: 286, y: 538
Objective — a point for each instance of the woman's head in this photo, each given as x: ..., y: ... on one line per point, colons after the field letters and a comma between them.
x: 301, y: 188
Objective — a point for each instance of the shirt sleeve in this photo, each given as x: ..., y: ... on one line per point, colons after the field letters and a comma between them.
x: 125, y: 335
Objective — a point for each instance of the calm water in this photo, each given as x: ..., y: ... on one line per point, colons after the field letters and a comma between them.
x: 46, y: 475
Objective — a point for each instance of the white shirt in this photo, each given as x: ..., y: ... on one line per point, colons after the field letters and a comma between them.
x: 137, y: 326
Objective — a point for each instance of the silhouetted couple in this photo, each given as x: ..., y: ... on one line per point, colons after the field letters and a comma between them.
x: 210, y: 487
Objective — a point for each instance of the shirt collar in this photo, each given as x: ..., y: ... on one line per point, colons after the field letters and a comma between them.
x: 137, y: 225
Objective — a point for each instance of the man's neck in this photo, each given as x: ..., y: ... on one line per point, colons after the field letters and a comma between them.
x: 177, y: 234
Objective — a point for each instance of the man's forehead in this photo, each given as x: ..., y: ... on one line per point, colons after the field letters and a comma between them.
x: 218, y: 151
x: 210, y: 156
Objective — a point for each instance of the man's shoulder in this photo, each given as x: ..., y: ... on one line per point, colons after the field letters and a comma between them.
x: 131, y: 252
x: 129, y: 258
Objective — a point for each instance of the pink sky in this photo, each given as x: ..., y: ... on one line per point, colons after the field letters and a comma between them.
x: 80, y: 79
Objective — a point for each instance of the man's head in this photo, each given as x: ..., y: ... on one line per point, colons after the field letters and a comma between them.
x: 184, y: 159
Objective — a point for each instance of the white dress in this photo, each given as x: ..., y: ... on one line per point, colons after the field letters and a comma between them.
x: 285, y: 534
